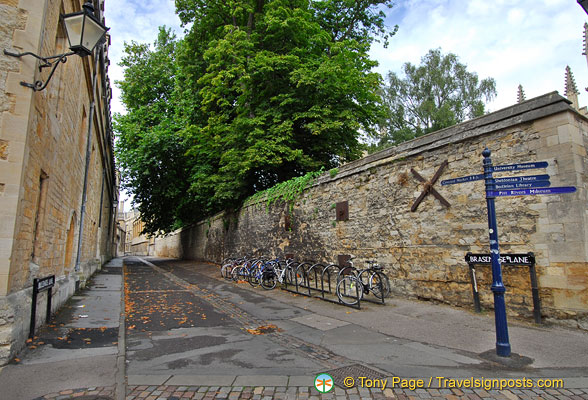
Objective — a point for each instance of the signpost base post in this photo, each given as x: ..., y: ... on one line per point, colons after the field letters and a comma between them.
x: 502, y: 342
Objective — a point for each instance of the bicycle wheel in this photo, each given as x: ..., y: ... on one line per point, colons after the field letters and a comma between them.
x: 237, y: 274
x: 254, y: 277
x: 226, y: 271
x: 269, y: 279
x: 349, y: 290
x: 386, y: 284
x: 255, y: 272
x: 378, y: 285
x: 289, y: 276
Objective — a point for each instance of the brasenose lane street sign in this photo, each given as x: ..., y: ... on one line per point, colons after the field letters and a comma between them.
x: 505, y: 259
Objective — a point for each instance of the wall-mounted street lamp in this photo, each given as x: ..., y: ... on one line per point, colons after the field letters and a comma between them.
x: 84, y: 32
x: 584, y: 5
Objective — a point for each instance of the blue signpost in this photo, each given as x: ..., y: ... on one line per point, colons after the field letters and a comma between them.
x: 502, y: 342
x: 509, y: 186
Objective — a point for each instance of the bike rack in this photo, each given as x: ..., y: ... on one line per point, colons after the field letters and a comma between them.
x: 320, y: 281
x: 309, y: 280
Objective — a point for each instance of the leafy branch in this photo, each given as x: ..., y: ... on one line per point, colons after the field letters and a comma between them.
x: 288, y: 191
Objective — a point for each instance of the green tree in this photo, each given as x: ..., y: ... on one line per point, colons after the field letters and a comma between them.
x: 150, y: 153
x: 256, y: 93
x: 439, y: 93
x: 283, y: 89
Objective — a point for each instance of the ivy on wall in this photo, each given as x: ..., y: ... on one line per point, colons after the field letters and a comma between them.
x: 288, y: 192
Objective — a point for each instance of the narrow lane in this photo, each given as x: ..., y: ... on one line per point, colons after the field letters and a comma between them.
x: 176, y: 328
x: 194, y: 335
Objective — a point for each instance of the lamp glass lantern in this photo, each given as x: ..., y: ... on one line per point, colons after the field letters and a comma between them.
x: 84, y: 31
x: 584, y: 5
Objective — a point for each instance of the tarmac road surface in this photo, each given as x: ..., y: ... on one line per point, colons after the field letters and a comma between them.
x: 185, y: 333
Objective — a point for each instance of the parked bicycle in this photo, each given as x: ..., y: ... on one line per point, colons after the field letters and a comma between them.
x: 243, y: 271
x: 257, y: 272
x: 229, y: 264
x: 349, y: 284
x: 351, y: 288
x: 279, y: 272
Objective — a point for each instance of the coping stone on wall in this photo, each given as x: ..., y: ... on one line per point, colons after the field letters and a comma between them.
x: 527, y: 111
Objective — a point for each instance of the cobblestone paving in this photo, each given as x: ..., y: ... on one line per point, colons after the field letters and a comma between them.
x: 304, y: 393
x: 93, y: 393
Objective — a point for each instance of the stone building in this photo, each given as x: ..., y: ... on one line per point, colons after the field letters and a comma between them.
x: 58, y: 188
x: 121, y: 235
x: 137, y: 243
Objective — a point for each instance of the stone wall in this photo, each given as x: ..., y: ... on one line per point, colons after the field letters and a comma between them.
x: 423, y: 251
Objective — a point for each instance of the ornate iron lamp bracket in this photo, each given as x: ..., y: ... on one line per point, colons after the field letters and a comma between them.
x: 46, y: 62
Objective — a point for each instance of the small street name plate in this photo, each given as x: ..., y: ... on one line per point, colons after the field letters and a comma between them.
x: 524, y: 259
x: 42, y: 284
x: 505, y: 259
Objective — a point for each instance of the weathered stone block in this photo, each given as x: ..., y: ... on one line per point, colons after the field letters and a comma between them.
x: 551, y: 228
x: 552, y: 140
x: 567, y: 300
x: 11, y: 3
x: 553, y: 281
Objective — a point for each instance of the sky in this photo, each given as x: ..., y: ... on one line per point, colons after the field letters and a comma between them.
x: 526, y: 42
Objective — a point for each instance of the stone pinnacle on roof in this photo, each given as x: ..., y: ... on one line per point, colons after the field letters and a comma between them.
x: 571, y: 89
x: 585, y: 52
x: 570, y: 82
x: 520, y: 94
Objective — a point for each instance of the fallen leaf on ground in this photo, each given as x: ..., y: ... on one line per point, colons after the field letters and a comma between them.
x: 261, y: 330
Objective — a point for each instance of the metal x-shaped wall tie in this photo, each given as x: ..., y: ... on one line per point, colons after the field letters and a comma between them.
x: 429, y: 187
